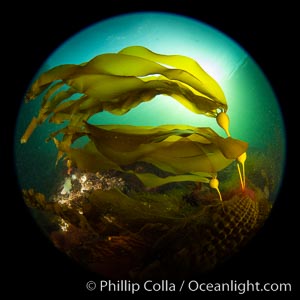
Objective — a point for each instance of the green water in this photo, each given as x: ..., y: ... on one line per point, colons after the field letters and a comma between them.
x: 253, y: 108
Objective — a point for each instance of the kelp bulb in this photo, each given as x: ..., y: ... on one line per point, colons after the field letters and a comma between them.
x: 242, y: 158
x: 214, y: 183
x: 223, y: 121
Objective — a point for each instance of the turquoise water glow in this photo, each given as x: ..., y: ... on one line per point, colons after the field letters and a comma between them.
x: 253, y: 108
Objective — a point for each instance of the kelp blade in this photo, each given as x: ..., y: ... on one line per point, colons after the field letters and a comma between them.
x: 186, y: 153
x: 118, y: 82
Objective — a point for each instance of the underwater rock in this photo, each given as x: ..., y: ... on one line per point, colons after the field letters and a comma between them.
x: 151, y: 234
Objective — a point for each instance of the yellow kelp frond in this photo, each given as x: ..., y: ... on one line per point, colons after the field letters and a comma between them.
x: 187, y: 153
x: 151, y: 180
x: 43, y: 82
x: 118, y: 82
x: 181, y: 62
x: 126, y: 138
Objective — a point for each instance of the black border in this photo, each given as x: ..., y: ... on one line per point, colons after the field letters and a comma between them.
x: 32, y: 32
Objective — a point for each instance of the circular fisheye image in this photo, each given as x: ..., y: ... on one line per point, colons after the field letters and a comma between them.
x: 150, y: 145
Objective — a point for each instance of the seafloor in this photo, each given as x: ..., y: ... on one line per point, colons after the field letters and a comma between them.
x: 111, y: 224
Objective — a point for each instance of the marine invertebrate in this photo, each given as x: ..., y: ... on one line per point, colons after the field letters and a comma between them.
x: 166, y: 154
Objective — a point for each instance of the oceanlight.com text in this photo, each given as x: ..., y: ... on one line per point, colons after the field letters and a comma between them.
x: 232, y: 286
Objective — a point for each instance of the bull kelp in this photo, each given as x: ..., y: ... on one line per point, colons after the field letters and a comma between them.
x: 130, y: 191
